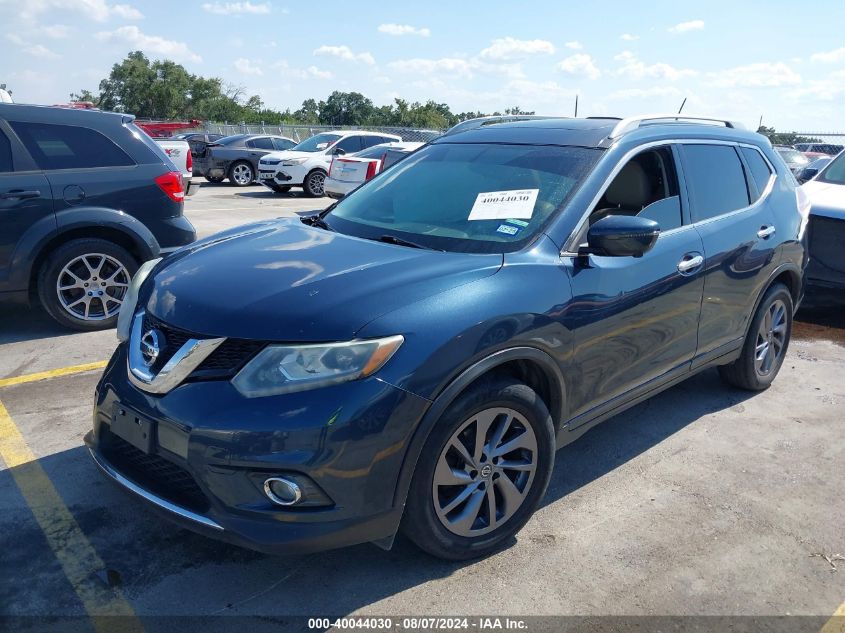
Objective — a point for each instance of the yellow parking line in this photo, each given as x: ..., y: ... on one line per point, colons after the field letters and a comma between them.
x: 74, y: 552
x: 52, y: 373
x: 836, y: 624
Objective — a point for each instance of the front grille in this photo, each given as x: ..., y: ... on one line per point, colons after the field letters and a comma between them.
x: 154, y: 473
x: 223, y: 362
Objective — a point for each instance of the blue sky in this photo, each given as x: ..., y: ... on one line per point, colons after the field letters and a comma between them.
x: 784, y: 61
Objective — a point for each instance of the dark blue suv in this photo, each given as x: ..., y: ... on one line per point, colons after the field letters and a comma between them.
x: 411, y: 357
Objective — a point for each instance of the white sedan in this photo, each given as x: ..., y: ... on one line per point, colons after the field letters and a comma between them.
x: 827, y: 226
x: 348, y: 172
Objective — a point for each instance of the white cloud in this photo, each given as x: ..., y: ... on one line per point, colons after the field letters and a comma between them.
x: 40, y: 51
x: 685, y: 27
x: 629, y: 37
x: 510, y: 48
x: 316, y: 73
x: 829, y: 57
x: 246, y: 67
x: 55, y: 31
x: 826, y: 89
x: 633, y: 68
x: 134, y: 37
x: 345, y: 53
x: 761, y: 75
x: 641, y: 93
x: 446, y: 66
x: 403, y: 29
x: 575, y: 46
x: 97, y: 10
x: 237, y: 8
x: 580, y: 64
x: 312, y: 72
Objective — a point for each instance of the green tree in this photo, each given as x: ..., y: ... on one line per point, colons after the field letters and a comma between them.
x: 785, y: 138
x: 346, y: 108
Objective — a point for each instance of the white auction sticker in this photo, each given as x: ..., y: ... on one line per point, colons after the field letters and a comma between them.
x: 503, y: 205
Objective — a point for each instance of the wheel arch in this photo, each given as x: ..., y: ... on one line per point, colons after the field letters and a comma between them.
x: 531, y: 365
x: 790, y: 275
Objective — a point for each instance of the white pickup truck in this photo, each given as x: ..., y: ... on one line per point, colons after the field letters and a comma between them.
x: 179, y: 153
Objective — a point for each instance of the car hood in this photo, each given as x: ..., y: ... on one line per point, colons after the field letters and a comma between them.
x: 827, y: 199
x: 285, y: 281
x: 288, y: 153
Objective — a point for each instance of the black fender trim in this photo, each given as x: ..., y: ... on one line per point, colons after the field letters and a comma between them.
x: 32, y: 244
x: 789, y: 267
x: 453, y: 390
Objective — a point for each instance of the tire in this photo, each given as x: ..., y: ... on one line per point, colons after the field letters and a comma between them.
x: 434, y: 510
x: 280, y: 188
x: 241, y: 173
x: 215, y: 179
x: 765, y: 344
x: 72, y: 277
x: 314, y: 184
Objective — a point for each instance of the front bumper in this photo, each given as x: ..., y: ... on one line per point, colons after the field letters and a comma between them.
x: 349, y: 440
x: 285, y: 176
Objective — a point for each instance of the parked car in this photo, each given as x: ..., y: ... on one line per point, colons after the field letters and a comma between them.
x: 236, y: 157
x: 179, y: 152
x: 85, y: 198
x: 829, y: 149
x: 826, y: 193
x: 812, y: 169
x: 795, y: 160
x: 199, y: 145
x: 307, y: 164
x: 410, y: 357
x: 347, y: 172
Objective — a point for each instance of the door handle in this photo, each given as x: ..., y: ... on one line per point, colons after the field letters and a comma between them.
x: 18, y: 194
x: 766, y: 232
x: 689, y: 263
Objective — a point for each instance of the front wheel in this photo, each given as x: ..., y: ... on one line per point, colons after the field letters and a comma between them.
x: 241, y: 174
x: 482, y: 473
x: 280, y: 188
x: 765, y: 344
x: 315, y: 182
x: 82, y: 284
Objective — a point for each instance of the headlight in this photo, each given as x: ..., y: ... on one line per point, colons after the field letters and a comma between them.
x: 270, y: 161
x: 293, y: 161
x: 130, y: 300
x: 286, y: 368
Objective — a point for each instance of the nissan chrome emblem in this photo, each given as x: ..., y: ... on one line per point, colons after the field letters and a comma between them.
x: 152, y: 343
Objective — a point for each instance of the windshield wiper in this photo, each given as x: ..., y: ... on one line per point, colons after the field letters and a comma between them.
x: 317, y: 220
x: 392, y: 239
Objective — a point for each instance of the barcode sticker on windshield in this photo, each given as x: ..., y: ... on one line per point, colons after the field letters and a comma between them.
x: 503, y: 205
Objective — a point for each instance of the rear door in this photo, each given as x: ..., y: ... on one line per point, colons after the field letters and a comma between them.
x: 737, y: 229
x: 25, y: 202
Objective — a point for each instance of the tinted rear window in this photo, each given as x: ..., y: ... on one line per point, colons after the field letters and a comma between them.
x: 760, y: 171
x: 5, y: 154
x: 716, y: 179
x: 69, y: 146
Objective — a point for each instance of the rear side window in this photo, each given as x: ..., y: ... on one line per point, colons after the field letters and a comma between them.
x: 349, y: 144
x: 716, y: 179
x: 69, y: 146
x: 760, y: 171
x: 282, y: 143
x: 265, y: 142
x: 5, y: 154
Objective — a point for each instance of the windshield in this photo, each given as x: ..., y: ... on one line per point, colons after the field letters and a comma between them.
x: 834, y: 172
x: 792, y: 156
x: 316, y: 143
x: 466, y: 197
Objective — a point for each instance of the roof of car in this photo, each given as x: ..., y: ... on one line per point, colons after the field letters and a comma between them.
x: 359, y: 133
x: 59, y: 113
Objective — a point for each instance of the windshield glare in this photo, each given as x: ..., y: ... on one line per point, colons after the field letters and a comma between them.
x: 793, y: 156
x: 466, y: 197
x: 316, y: 143
x: 835, y: 171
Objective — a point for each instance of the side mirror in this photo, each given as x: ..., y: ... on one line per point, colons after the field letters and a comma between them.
x: 622, y: 236
x: 808, y: 173
x: 338, y: 151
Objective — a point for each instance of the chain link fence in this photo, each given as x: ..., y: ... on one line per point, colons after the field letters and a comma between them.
x: 301, y: 132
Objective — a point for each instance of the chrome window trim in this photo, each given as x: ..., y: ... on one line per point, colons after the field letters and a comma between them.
x: 154, y: 499
x: 567, y: 250
x: 180, y: 365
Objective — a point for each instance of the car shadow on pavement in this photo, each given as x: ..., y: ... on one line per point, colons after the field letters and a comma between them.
x: 23, y: 323
x: 265, y: 193
x: 168, y: 570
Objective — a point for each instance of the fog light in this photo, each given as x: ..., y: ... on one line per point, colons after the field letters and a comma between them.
x: 283, y: 492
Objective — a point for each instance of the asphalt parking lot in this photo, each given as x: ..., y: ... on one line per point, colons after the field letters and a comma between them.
x: 702, y: 501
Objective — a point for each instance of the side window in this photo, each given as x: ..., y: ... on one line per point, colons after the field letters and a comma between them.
x: 350, y: 144
x: 369, y: 141
x: 760, y: 171
x: 5, y: 154
x: 281, y: 143
x: 647, y: 186
x: 69, y: 147
x: 716, y: 180
x: 265, y: 142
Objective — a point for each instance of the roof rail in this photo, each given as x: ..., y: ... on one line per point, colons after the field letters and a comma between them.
x: 632, y: 123
x: 472, y: 124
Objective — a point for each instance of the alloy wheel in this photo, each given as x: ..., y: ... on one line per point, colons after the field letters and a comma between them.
x: 771, y: 338
x: 91, y: 287
x: 317, y: 183
x: 242, y: 174
x: 484, y: 472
